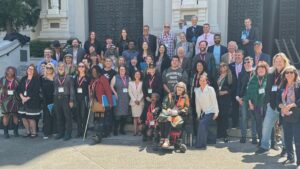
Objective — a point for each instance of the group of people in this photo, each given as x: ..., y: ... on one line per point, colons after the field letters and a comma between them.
x: 159, y: 81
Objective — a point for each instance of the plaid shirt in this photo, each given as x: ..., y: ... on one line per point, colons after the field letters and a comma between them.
x: 169, y: 40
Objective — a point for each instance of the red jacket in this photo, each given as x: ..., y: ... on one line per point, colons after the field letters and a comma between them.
x: 101, y: 87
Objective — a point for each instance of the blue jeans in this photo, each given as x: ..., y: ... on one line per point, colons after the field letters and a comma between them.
x: 269, y: 122
x: 202, y: 132
x: 244, y: 121
x: 291, y: 133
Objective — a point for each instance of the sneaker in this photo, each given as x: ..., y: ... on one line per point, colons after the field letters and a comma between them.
x: 275, y: 147
x: 243, y: 140
x: 288, y: 161
x: 166, y: 144
x: 261, y: 151
x: 45, y: 137
x: 254, y: 141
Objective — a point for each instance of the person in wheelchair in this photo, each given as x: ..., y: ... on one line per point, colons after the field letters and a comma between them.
x: 149, y: 118
x: 175, y: 110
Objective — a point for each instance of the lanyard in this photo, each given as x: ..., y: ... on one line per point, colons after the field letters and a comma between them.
x: 63, y: 81
x: 80, y: 81
x: 10, y: 83
x: 260, y: 82
x: 221, y: 82
x: 276, y: 79
x: 151, y: 81
x: 124, y: 81
x: 285, y: 92
x: 27, y: 84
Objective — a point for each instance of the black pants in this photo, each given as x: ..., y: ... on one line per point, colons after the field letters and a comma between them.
x: 222, y: 122
x: 165, y: 128
x: 99, y: 119
x: 63, y: 115
x: 259, y: 118
x: 49, y: 122
x: 108, y: 121
x: 235, y: 113
x: 81, y: 113
x: 119, y: 124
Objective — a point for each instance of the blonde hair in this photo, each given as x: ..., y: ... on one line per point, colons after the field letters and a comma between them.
x: 53, y: 69
x: 228, y: 72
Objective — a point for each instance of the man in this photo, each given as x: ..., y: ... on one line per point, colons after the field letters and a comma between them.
x: 108, y: 70
x: 47, y: 59
x: 188, y: 46
x: 63, y: 102
x: 229, y: 57
x: 217, y: 49
x: 184, y: 62
x: 240, y: 93
x: 57, y: 54
x: 236, y: 69
x: 248, y: 36
x: 77, y: 52
x: 173, y: 75
x: 149, y: 38
x: 130, y: 53
x: 206, y: 36
x: 259, y: 55
x: 208, y: 58
x: 193, y: 32
x: 168, y: 38
x: 182, y: 26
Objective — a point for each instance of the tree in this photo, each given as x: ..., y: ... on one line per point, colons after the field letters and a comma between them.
x: 17, y: 14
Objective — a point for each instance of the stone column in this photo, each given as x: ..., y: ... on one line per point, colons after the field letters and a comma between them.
x: 213, y: 15
x: 223, y: 20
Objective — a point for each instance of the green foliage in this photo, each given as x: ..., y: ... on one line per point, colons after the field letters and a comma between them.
x: 16, y: 14
x: 37, y: 47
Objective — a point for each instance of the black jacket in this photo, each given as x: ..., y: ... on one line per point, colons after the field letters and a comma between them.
x: 192, y: 34
x: 152, y: 42
x: 271, y: 96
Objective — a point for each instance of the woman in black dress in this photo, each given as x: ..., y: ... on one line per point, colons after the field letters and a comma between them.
x: 29, y: 91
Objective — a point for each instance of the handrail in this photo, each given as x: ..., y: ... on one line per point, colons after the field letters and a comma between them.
x: 295, y: 50
x: 7, y: 53
x: 288, y: 51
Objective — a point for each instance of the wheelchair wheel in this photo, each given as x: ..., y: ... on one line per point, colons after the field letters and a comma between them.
x: 182, y: 148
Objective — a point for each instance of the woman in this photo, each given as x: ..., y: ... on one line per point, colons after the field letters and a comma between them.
x: 178, y: 104
x: 207, y: 110
x: 123, y: 42
x: 47, y: 86
x: 99, y: 87
x: 82, y: 82
x: 119, y: 86
x: 133, y: 67
x: 144, y: 53
x: 121, y: 62
x: 199, y: 69
x: 280, y: 62
x: 152, y: 83
x: 224, y: 85
x: 9, y: 99
x: 162, y: 60
x: 95, y: 61
x: 92, y: 41
x: 70, y: 68
x: 255, y: 95
x: 136, y: 101
x: 289, y: 99
x: 145, y: 64
x: 29, y: 91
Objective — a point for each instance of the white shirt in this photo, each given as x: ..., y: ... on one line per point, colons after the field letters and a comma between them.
x: 209, y: 38
x: 206, y: 100
x: 75, y: 50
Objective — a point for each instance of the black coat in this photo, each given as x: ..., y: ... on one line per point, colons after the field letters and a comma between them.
x: 198, y: 31
x: 97, y: 45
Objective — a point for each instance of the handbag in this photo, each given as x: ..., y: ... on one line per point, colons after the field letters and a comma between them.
x: 97, y: 107
x: 294, y: 117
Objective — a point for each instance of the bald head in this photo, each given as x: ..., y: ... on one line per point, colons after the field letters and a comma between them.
x: 181, y: 52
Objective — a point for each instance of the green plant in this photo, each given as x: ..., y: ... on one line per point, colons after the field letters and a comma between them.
x: 37, y: 47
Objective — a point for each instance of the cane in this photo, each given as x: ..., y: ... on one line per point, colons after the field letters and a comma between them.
x: 87, y: 122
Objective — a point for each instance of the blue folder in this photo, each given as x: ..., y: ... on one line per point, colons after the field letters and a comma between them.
x: 50, y: 107
x: 105, y: 102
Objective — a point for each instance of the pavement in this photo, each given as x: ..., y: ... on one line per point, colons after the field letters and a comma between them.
x: 128, y: 152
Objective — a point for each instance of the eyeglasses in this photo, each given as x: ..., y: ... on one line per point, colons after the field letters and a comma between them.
x: 49, y: 68
x: 289, y: 72
x: 166, y: 26
x: 81, y: 66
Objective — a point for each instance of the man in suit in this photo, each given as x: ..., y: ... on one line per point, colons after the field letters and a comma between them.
x: 208, y: 58
x: 147, y: 37
x: 236, y: 69
x: 229, y: 57
x: 188, y: 46
x: 217, y: 49
x: 76, y: 51
x: 184, y: 62
x: 248, y: 36
x: 259, y: 55
x: 57, y: 52
x: 193, y: 32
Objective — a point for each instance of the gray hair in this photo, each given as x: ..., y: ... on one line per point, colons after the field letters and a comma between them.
x: 234, y: 44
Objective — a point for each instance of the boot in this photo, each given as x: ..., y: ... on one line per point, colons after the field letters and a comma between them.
x: 67, y: 136
x: 122, y: 126
x: 16, y: 132
x: 96, y: 140
x: 6, y: 135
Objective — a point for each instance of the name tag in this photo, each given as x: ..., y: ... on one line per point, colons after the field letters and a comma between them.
x: 220, y: 88
x: 10, y: 92
x: 149, y: 91
x: 125, y: 90
x: 79, y: 90
x: 25, y: 93
x: 261, y: 91
x: 61, y: 90
x: 274, y: 88
x: 152, y: 123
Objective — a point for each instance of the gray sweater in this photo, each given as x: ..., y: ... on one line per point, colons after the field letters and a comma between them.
x: 172, y: 77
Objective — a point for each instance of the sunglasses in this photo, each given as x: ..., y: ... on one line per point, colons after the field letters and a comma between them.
x: 289, y: 72
x: 49, y: 68
x: 81, y: 66
x: 166, y: 26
